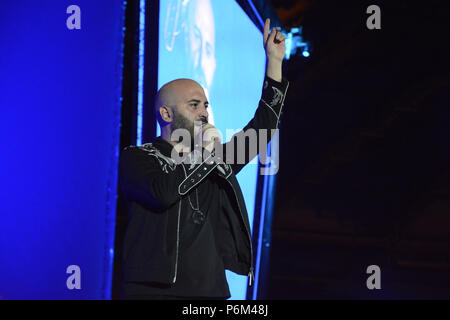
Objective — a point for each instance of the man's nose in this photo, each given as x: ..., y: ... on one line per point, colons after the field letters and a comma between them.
x: 204, y: 113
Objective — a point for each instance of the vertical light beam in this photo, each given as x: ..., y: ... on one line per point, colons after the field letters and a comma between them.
x: 140, y: 97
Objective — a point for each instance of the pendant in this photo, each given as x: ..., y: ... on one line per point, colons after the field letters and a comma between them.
x: 198, y: 217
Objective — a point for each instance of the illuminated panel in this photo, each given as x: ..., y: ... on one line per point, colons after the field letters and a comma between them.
x: 216, y: 44
x: 140, y: 94
x: 60, y: 128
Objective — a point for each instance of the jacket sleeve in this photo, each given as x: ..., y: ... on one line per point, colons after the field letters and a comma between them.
x: 241, y: 149
x: 146, y: 179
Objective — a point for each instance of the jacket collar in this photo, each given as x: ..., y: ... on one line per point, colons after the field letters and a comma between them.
x: 163, y: 146
x: 166, y: 148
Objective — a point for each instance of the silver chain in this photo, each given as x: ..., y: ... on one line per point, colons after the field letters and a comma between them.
x: 190, y: 203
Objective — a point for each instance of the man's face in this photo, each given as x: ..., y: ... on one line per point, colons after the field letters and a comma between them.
x: 201, y: 41
x: 191, y: 109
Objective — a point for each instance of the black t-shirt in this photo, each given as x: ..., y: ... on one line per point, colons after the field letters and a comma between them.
x: 200, y: 269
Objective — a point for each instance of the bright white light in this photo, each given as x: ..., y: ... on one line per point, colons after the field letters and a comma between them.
x: 288, y: 43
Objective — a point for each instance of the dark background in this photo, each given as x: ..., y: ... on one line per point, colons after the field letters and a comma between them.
x: 364, y: 154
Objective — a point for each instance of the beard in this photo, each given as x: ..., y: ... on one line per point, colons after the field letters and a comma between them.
x: 181, y: 122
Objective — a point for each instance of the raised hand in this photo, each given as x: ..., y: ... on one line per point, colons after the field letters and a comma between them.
x: 273, y: 42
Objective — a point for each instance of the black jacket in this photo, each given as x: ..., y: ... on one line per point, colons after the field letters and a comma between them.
x: 155, y: 188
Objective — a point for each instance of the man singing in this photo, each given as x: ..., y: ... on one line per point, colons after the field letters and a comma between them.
x: 187, y: 219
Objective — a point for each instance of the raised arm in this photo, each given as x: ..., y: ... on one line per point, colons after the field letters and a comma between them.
x: 245, y: 144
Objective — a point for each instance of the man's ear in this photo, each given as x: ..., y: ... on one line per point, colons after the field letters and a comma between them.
x: 166, y: 113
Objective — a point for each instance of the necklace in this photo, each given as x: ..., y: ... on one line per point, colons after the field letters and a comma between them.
x: 197, y: 216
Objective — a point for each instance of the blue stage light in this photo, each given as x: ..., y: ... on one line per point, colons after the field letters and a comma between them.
x: 295, y: 43
x: 140, y: 95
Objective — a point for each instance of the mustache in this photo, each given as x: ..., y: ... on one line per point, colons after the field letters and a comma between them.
x: 203, y: 120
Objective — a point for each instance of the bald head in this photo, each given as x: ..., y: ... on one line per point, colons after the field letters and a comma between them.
x: 169, y: 94
x: 176, y: 94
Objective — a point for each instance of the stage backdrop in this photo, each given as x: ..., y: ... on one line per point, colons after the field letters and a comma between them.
x: 215, y: 43
x: 59, y: 129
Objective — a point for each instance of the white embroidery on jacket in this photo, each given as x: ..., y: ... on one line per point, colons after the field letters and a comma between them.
x: 278, y: 96
x: 165, y: 162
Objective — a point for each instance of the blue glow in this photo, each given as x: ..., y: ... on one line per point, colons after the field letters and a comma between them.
x: 60, y: 120
x: 231, y: 72
x: 261, y: 236
x: 288, y: 43
x: 140, y: 95
x: 265, y: 220
x: 250, y: 2
x: 295, y: 43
